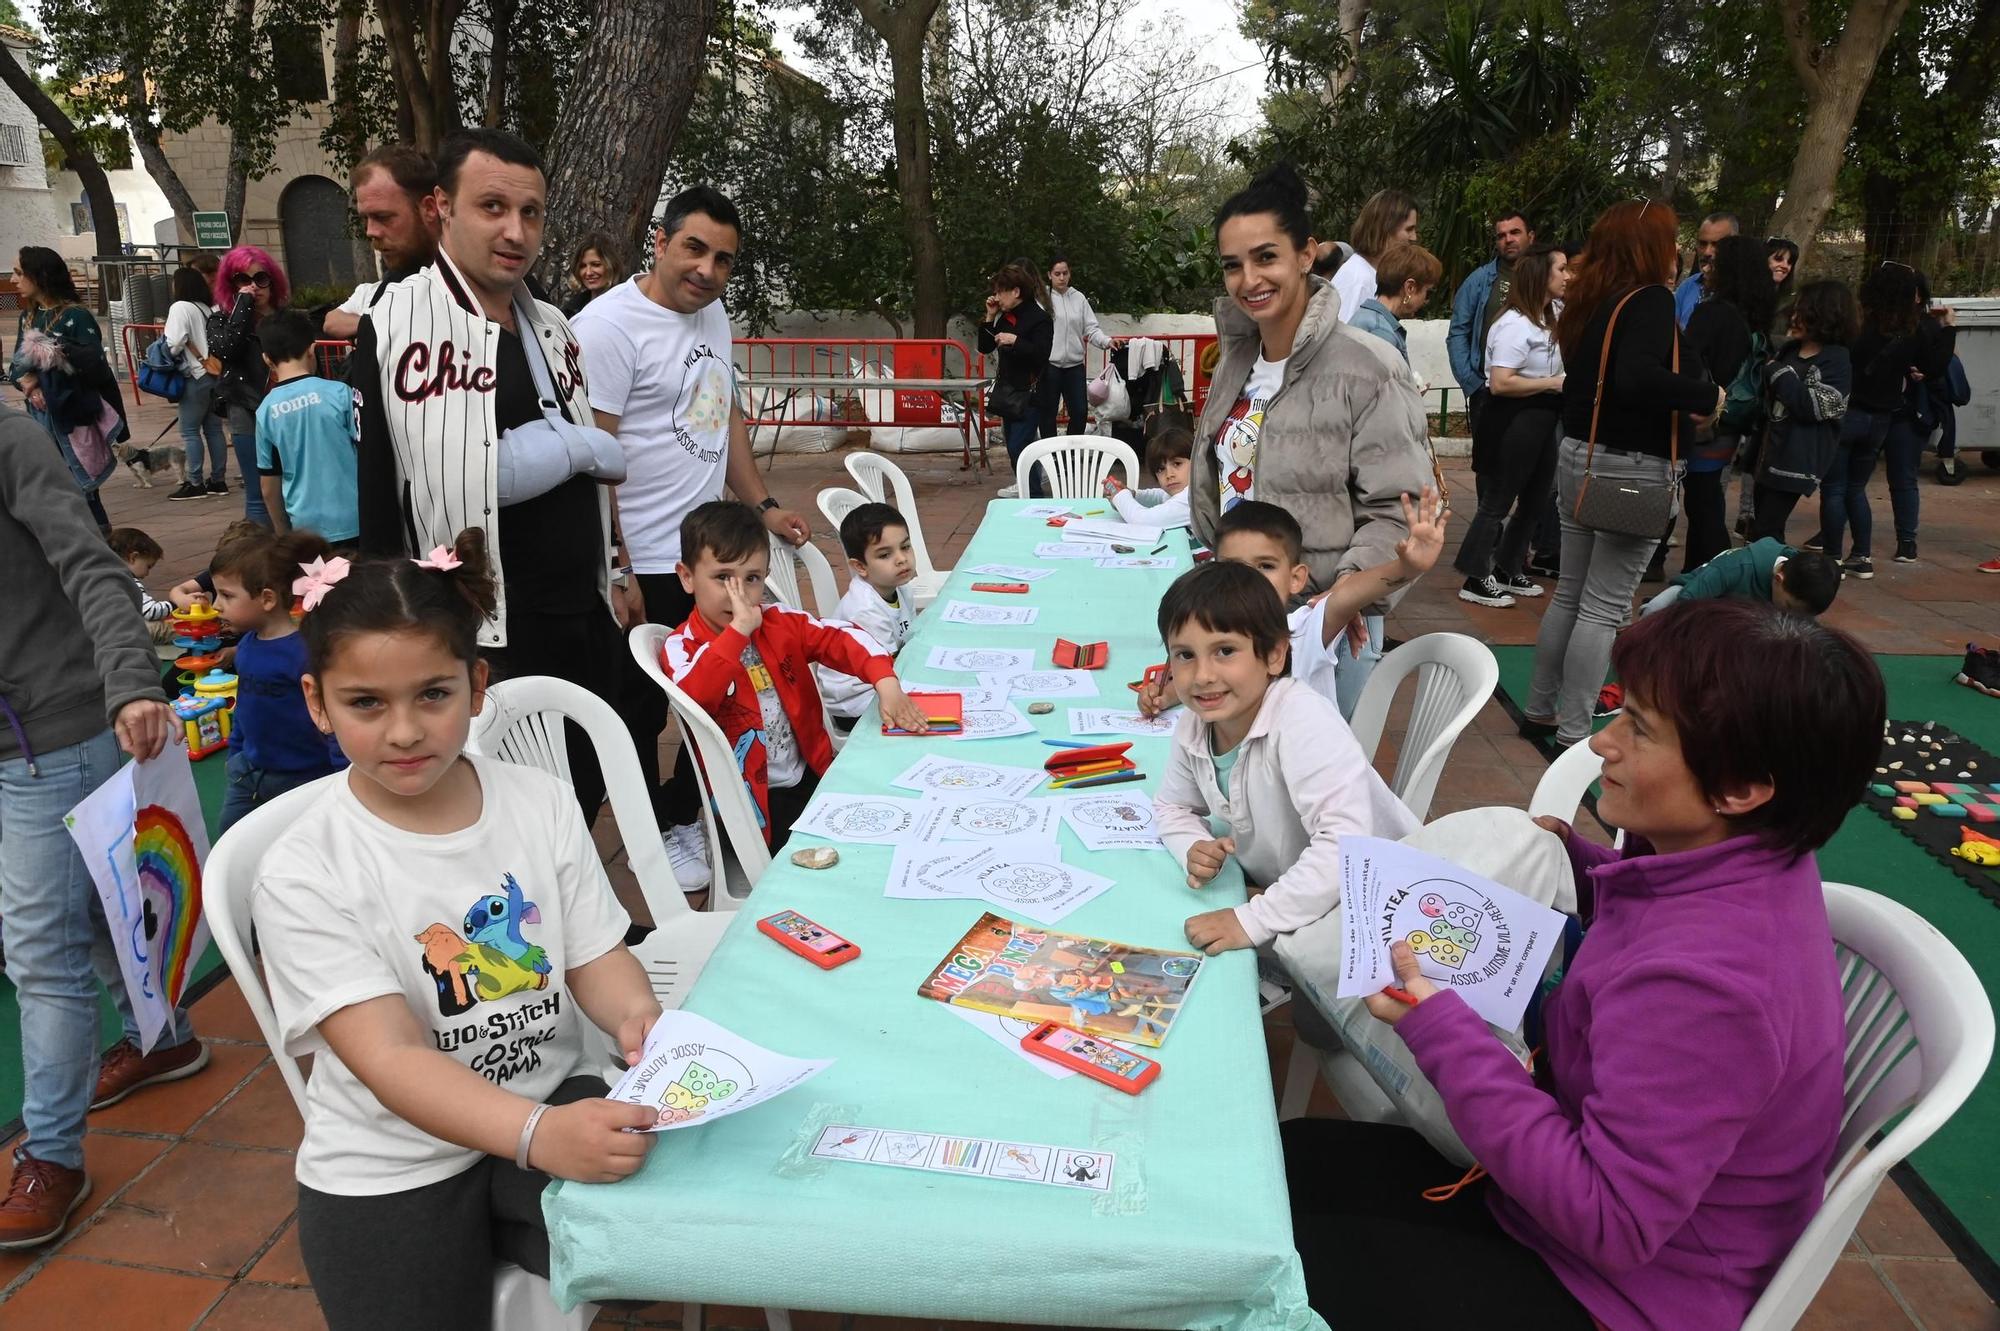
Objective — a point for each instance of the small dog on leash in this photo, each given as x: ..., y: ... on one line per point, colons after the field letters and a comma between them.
x: 143, y: 462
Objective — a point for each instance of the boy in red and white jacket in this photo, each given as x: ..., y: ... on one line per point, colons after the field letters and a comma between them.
x: 749, y: 665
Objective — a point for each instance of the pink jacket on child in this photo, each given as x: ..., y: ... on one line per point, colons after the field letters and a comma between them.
x: 1300, y: 783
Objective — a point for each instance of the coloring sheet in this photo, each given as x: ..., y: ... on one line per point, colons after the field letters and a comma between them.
x: 990, y: 818
x: 884, y: 820
x: 914, y: 873
x: 1136, y: 561
x: 1023, y: 1162
x: 934, y: 774
x: 1074, y: 550
x: 1120, y: 818
x: 1045, y: 511
x: 1049, y: 683
x: 692, y: 1071
x: 1110, y: 721
x: 1009, y: 573
x: 982, y: 660
x: 1469, y: 933
x: 989, y: 616
x: 992, y: 723
x: 1021, y: 878
x: 1111, y: 531
x: 144, y: 842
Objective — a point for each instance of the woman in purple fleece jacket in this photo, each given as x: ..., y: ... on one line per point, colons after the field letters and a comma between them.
x: 1674, y: 1138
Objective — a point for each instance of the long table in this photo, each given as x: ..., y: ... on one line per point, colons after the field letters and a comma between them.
x: 1195, y: 1231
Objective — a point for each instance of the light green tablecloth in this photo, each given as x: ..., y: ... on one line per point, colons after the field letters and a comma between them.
x: 1196, y: 1231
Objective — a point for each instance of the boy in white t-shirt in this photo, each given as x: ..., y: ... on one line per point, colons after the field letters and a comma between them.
x: 1169, y: 456
x: 877, y: 541
x: 1269, y: 539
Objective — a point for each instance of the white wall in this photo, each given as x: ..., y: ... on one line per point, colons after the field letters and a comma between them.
x: 27, y: 214
x: 146, y: 208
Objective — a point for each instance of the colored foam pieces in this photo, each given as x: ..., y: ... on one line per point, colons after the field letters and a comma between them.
x: 1966, y: 798
x: 1913, y: 787
x: 1880, y: 789
x: 1904, y: 813
x: 1948, y: 810
x: 1906, y: 802
x: 1929, y: 797
x: 1982, y: 813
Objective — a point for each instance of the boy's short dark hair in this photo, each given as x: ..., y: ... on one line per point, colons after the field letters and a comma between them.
x: 285, y: 335
x: 1813, y: 577
x: 864, y: 525
x: 1226, y: 598
x: 1172, y: 444
x: 1826, y: 310
x: 1266, y: 520
x: 1757, y: 695
x: 131, y: 543
x: 724, y: 528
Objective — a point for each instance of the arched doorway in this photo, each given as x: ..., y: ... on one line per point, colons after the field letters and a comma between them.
x: 318, y: 251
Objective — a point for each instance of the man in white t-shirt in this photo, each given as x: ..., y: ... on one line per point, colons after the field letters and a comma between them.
x: 656, y: 352
x: 395, y: 189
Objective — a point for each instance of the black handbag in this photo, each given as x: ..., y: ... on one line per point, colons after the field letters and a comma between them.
x: 1010, y: 402
x: 1622, y: 506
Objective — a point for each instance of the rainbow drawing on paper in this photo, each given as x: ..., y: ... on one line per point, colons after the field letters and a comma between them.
x: 170, y: 887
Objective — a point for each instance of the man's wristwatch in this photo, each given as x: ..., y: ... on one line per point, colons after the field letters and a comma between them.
x: 767, y: 505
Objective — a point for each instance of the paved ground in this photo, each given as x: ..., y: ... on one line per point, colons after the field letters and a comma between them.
x: 191, y: 1221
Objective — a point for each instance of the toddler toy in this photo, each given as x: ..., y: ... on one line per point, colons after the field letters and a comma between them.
x: 204, y: 711
x: 197, y: 628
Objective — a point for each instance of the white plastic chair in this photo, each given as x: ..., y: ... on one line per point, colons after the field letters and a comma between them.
x: 741, y: 857
x: 1919, y: 1037
x: 521, y: 1301
x: 837, y: 501
x: 522, y: 722
x: 1455, y: 676
x: 885, y: 482
x: 1560, y: 792
x: 1075, y: 465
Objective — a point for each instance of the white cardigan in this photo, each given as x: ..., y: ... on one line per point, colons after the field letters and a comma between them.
x: 1299, y: 784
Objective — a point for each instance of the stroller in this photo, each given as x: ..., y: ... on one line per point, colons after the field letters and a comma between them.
x: 1158, y: 388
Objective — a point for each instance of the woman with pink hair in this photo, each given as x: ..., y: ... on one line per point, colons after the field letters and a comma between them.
x: 251, y: 286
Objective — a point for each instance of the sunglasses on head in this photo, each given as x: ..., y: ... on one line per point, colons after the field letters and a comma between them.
x: 260, y: 280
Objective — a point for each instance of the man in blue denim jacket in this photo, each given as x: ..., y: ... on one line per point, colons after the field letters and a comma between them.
x: 1477, y: 305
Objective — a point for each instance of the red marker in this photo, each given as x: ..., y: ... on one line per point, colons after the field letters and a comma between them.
x: 1402, y: 996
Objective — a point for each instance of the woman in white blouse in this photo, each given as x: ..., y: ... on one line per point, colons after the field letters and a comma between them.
x: 1514, y: 448
x: 1389, y: 215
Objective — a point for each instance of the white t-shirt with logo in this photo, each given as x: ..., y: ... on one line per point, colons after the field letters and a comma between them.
x: 1517, y: 345
x: 474, y: 929
x: 667, y: 377
x: 784, y: 766
x: 888, y: 624
x: 1236, y: 441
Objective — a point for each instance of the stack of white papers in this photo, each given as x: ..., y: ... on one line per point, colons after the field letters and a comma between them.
x: 1119, y: 533
x: 1022, y: 877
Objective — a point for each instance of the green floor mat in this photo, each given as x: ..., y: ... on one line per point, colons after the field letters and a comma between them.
x: 210, y: 782
x: 1958, y: 1164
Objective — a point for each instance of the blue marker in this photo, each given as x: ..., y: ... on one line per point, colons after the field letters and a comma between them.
x: 1068, y: 744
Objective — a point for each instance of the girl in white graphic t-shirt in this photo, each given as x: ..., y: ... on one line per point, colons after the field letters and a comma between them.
x: 437, y: 930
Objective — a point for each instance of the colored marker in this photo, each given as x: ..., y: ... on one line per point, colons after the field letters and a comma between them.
x: 1104, y: 780
x: 1094, y: 769
x: 1069, y: 744
x: 1403, y: 996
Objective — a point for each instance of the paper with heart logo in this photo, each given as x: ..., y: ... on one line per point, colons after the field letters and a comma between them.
x: 692, y: 1071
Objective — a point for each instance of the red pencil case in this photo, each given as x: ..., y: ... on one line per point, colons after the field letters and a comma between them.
x: 1085, y: 656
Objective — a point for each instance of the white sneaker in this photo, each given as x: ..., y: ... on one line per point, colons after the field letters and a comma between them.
x: 1010, y: 492
x: 687, y: 852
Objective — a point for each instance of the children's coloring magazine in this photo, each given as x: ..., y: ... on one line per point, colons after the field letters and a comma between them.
x: 1110, y: 989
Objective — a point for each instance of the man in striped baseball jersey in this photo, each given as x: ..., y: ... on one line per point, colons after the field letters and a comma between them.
x: 441, y: 376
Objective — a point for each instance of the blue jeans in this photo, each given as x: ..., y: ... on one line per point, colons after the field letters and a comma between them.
x: 1843, y: 492
x: 1019, y: 434
x: 1902, y: 455
x: 246, y: 475
x: 1351, y: 672
x: 198, y: 422
x: 251, y: 785
x: 58, y: 946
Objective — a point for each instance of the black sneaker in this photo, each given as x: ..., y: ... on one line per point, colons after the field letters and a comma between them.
x: 1545, y: 568
x: 1981, y: 670
x: 217, y: 487
x: 1906, y: 552
x: 1814, y: 547
x: 189, y: 490
x: 1485, y: 591
x: 1858, y: 566
x: 1520, y: 584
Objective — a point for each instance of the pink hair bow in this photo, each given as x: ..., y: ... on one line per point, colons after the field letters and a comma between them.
x: 319, y: 577
x: 441, y: 559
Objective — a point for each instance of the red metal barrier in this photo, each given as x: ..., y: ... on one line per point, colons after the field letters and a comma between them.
x: 329, y: 356
x: 854, y: 385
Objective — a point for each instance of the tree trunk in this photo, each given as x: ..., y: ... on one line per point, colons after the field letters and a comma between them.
x: 96, y: 185
x: 903, y: 28
x: 498, y: 62
x: 618, y: 125
x: 420, y: 63
x: 1835, y: 78
x: 146, y: 134
x: 1353, y: 14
